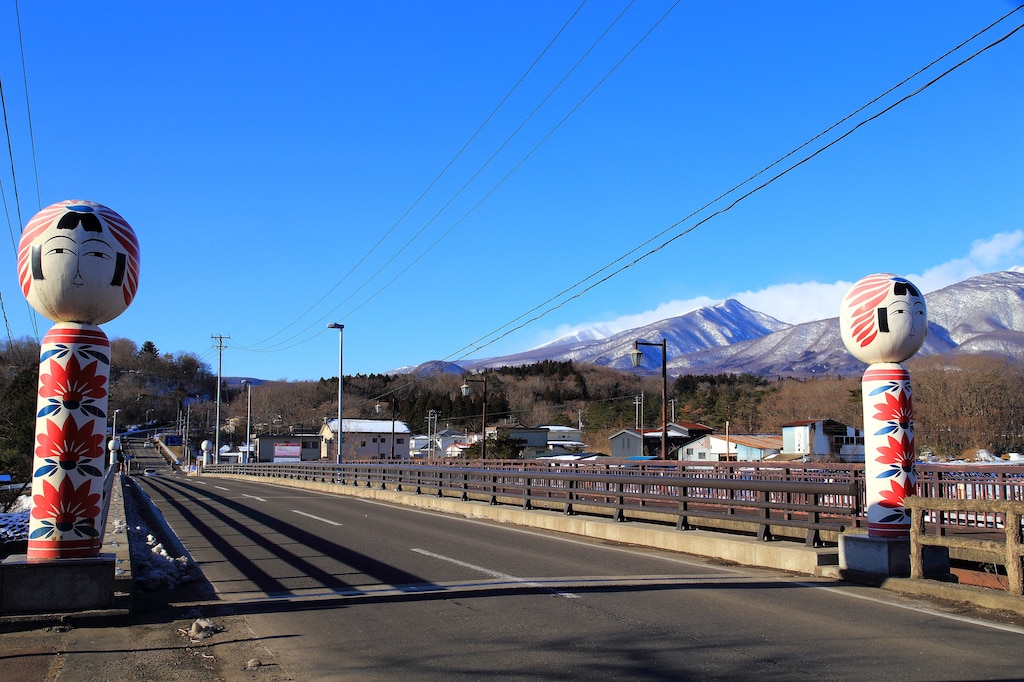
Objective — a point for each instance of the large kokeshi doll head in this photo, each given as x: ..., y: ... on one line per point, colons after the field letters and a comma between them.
x: 78, y: 261
x: 883, y: 319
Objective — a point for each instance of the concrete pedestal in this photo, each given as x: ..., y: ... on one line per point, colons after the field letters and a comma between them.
x: 57, y: 585
x: 888, y: 556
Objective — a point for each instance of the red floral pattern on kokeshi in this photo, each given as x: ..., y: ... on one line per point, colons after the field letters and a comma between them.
x: 889, y: 474
x: 69, y: 458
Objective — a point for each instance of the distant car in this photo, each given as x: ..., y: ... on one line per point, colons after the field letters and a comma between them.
x: 147, y: 444
x: 149, y: 472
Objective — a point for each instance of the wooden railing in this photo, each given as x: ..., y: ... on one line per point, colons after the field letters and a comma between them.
x: 999, y: 517
x: 757, y: 503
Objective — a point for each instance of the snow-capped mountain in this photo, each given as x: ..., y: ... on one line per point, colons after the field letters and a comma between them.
x: 724, y: 324
x: 581, y: 336
x: 981, y: 315
x: 980, y: 306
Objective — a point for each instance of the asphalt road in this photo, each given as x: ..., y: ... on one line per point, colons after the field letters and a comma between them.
x: 342, y: 588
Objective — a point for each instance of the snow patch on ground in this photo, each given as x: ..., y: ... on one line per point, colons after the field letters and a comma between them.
x: 153, y: 568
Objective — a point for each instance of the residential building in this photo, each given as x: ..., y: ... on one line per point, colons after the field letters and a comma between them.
x: 822, y: 439
x: 366, y: 439
x: 563, y: 440
x: 535, y: 439
x: 293, y: 447
x: 420, y: 444
x: 733, y: 448
x: 631, y: 443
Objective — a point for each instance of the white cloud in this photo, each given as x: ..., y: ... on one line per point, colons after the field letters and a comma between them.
x: 605, y: 328
x: 999, y: 252
x: 796, y: 303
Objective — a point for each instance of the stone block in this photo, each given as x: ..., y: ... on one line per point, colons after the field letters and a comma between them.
x: 56, y: 586
x: 888, y: 556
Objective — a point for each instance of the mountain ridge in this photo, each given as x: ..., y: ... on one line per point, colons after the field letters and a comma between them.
x: 980, y: 315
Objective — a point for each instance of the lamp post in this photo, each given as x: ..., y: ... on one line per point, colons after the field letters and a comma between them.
x: 341, y: 337
x: 483, y: 419
x: 636, y: 356
x: 380, y: 408
x: 248, y: 421
x: 185, y: 437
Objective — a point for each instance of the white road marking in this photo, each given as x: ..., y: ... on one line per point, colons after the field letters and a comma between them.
x: 494, y: 574
x: 253, y: 497
x: 318, y: 518
x: 586, y: 541
x: 220, y: 487
x: 899, y: 604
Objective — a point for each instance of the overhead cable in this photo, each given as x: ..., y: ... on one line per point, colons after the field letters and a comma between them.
x: 480, y: 345
x: 422, y: 195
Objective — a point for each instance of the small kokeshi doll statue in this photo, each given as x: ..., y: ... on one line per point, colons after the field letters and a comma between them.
x: 78, y: 265
x: 883, y: 321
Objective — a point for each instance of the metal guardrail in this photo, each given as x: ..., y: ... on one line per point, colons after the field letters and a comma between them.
x: 998, y: 515
x: 759, y: 503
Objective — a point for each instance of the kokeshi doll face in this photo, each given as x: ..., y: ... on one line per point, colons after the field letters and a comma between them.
x: 78, y: 261
x: 883, y: 318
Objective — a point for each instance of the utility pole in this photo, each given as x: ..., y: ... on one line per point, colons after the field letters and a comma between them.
x: 216, y: 427
x: 432, y: 430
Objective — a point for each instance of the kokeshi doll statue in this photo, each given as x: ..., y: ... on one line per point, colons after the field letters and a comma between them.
x: 883, y: 321
x: 78, y: 265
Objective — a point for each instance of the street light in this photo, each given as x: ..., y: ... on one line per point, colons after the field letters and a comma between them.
x: 341, y: 337
x: 483, y: 420
x: 380, y: 408
x: 248, y: 422
x: 636, y: 356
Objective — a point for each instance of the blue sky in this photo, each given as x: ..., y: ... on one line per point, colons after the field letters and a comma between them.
x: 435, y: 175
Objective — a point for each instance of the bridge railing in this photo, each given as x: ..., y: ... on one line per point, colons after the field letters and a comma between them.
x: 756, y: 501
x: 975, y: 482
x: 997, y: 543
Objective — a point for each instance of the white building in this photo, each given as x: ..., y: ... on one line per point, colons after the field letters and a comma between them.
x: 822, y: 439
x: 366, y: 439
x: 563, y: 439
x: 733, y: 448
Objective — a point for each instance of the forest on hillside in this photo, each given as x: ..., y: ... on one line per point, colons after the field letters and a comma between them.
x: 961, y: 403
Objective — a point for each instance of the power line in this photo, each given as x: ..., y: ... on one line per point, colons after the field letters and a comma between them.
x: 28, y: 106
x: 515, y: 168
x: 17, y: 207
x: 480, y: 344
x: 426, y: 191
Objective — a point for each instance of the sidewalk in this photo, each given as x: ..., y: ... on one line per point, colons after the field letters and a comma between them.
x: 141, y: 637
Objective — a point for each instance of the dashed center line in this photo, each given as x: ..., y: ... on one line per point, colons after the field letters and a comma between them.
x: 253, y: 497
x: 494, y: 574
x: 318, y: 518
x: 220, y: 487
